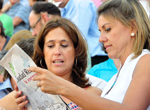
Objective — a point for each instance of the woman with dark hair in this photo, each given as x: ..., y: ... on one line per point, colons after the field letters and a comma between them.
x: 60, y: 49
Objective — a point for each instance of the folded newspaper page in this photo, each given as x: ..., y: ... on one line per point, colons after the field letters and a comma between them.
x: 16, y: 62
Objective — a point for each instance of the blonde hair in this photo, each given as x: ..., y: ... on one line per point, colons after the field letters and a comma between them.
x: 25, y: 34
x: 127, y: 11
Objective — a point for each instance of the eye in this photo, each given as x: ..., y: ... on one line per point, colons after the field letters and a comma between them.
x: 108, y: 29
x: 64, y: 45
x: 50, y: 46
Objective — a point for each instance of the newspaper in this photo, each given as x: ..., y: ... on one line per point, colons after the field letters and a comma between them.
x: 16, y: 62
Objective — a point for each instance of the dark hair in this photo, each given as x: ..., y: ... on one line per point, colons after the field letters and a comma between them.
x: 2, y: 29
x: 1, y: 4
x: 48, y: 7
x: 78, y: 69
x: 27, y: 46
x: 126, y: 11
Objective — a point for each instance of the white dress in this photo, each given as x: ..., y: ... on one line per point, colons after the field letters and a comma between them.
x: 122, y: 83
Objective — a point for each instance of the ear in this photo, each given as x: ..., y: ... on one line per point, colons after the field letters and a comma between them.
x: 133, y: 26
x: 44, y: 18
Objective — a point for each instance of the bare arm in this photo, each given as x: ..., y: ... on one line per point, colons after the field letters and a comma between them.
x: 17, y: 21
x: 137, y: 96
x: 53, y: 84
x: 94, y: 90
x: 6, y: 7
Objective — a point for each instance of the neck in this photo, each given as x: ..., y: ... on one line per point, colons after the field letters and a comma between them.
x: 67, y: 77
x: 117, y: 63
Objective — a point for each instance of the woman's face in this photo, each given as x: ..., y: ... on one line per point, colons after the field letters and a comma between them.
x: 116, y: 37
x: 59, y: 52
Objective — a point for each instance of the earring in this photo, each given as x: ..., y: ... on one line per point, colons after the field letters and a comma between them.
x: 132, y: 34
x: 41, y: 63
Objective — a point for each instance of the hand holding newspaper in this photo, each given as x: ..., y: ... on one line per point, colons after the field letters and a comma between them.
x: 16, y: 62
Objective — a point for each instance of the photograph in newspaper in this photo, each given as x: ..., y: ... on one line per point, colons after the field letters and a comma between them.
x: 16, y: 62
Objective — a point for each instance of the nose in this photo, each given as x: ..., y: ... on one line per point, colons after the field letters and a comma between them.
x: 102, y: 38
x: 57, y: 51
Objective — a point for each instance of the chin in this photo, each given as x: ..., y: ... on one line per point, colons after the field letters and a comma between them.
x: 111, y: 56
x: 57, y: 72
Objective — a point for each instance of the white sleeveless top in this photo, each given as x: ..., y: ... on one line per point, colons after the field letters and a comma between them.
x: 122, y: 83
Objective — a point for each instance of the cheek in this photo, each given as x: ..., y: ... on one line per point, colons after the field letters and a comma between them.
x: 47, y: 56
x: 71, y: 57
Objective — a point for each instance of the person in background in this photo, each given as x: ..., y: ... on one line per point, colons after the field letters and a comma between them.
x: 41, y: 13
x: 2, y: 53
x: 3, y: 38
x: 32, y: 2
x: 25, y: 34
x: 83, y: 14
x: 20, y: 14
x: 125, y: 33
x: 105, y: 70
x: 56, y: 39
x: 7, y: 21
x: 23, y: 2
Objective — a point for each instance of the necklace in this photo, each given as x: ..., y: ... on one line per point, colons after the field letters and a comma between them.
x: 114, y: 82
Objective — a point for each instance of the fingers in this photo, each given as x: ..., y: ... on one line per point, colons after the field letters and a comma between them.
x: 18, y: 94
x: 22, y: 105
x: 36, y: 69
x: 37, y: 78
x: 39, y: 84
x: 16, y: 88
x: 20, y: 100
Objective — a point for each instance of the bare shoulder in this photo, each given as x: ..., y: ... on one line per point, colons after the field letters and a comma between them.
x: 145, y: 58
x: 143, y: 65
x: 94, y: 90
x: 142, y: 69
x: 138, y: 93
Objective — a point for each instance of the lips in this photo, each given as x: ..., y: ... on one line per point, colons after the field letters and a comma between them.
x: 107, y: 47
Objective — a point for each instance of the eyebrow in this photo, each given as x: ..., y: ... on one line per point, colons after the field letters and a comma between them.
x: 105, y: 24
x: 60, y: 41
